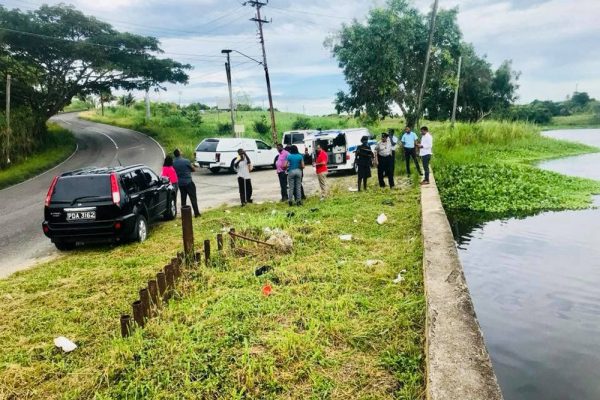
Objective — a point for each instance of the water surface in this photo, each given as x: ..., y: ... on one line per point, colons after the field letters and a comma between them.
x: 535, y: 283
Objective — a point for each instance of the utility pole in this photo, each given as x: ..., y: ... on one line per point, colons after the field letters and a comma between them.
x: 8, y: 132
x: 147, y: 105
x: 228, y: 72
x: 456, y: 91
x: 427, y: 57
x: 258, y: 5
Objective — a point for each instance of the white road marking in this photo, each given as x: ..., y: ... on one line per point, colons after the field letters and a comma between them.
x: 109, y: 138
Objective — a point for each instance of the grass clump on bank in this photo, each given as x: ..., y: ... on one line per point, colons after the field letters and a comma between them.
x: 58, y: 144
x: 333, y: 327
x: 489, y: 167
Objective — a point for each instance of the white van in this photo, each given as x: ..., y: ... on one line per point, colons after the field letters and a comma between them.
x: 302, y: 139
x: 219, y: 153
x: 341, y: 146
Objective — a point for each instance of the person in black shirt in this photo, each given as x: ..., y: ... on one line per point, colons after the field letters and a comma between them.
x: 364, y: 162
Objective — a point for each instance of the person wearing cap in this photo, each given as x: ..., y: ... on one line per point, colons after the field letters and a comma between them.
x: 383, y: 155
x: 409, y: 142
x: 364, y: 162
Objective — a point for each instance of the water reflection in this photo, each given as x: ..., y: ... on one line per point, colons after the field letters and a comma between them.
x: 534, y: 282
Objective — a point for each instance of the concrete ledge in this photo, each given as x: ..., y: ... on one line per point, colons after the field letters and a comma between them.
x: 458, y: 364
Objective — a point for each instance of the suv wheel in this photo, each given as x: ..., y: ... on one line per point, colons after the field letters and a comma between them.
x: 64, y: 246
x: 215, y: 170
x: 140, y: 233
x: 171, y: 211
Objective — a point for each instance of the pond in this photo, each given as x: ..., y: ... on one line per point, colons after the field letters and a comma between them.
x: 535, y: 284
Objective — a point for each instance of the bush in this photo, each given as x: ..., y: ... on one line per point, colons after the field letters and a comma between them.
x: 302, y: 122
x: 262, y: 126
x: 173, y: 121
x: 223, y: 128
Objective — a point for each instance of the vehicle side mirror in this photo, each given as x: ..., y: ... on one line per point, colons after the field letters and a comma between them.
x: 165, y: 180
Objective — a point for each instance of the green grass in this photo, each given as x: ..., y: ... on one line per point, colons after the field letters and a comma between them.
x: 490, y: 167
x: 574, y: 121
x: 172, y: 130
x: 58, y: 145
x: 333, y: 328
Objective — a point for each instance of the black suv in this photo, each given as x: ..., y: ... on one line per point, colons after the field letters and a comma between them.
x: 106, y: 205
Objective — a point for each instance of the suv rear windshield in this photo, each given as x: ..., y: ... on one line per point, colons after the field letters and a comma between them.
x: 209, y: 145
x: 83, y: 189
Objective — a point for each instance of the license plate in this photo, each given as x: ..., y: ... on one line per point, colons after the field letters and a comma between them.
x: 81, y: 215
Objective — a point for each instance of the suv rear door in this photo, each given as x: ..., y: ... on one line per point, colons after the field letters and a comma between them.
x: 81, y: 198
x: 206, y: 152
x: 144, y: 197
x: 263, y: 154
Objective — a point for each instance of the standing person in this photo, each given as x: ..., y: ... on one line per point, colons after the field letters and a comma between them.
x: 426, y: 146
x: 409, y: 142
x: 308, y: 160
x: 394, y: 142
x: 321, y: 169
x: 295, y: 165
x: 169, y: 172
x: 383, y: 153
x: 281, y: 171
x: 364, y: 162
x: 184, y: 168
x: 243, y: 166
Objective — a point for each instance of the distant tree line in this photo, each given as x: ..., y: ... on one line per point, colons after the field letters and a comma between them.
x: 542, y: 112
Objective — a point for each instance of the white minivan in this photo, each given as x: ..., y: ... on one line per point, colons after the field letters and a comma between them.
x: 219, y: 153
x: 302, y: 139
x: 341, y: 146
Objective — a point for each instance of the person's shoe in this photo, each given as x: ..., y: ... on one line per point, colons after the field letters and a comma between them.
x: 250, y: 201
x: 420, y: 173
x: 425, y: 183
x: 299, y: 203
x: 243, y: 204
x: 291, y: 203
x: 197, y: 215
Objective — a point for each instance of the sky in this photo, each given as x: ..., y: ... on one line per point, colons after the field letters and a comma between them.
x: 555, y: 44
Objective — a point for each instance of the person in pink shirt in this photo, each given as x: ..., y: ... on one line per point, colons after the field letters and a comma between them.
x: 280, y: 165
x: 169, y: 172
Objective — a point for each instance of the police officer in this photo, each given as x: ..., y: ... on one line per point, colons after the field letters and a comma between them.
x: 383, y: 154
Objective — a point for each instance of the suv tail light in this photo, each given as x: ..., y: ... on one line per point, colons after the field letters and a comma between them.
x: 347, y: 156
x: 50, y: 191
x: 218, y: 157
x: 114, y: 188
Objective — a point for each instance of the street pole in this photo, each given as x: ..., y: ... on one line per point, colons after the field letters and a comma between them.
x: 228, y: 72
x: 260, y: 21
x: 456, y: 91
x: 427, y: 58
x: 8, y: 132
x: 147, y: 105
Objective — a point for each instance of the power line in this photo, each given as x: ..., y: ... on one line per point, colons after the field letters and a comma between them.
x: 293, y: 11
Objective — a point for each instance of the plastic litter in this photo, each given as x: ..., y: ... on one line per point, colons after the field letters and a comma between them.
x: 64, y: 344
x: 227, y: 212
x: 399, y: 278
x: 262, y: 270
x: 267, y: 290
x: 382, y: 219
x: 372, y: 263
x: 281, y: 241
x: 273, y: 212
x: 356, y: 221
x: 351, y: 189
x: 346, y: 238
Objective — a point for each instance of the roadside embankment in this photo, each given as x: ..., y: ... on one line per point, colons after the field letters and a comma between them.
x: 458, y: 364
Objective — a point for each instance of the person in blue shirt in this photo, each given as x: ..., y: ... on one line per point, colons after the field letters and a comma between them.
x: 295, y: 165
x: 183, y: 169
x: 409, y: 142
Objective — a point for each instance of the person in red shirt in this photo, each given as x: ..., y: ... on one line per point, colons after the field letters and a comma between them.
x: 321, y: 169
x: 169, y: 172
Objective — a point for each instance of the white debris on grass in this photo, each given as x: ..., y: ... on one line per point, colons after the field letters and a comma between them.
x: 280, y: 240
x: 372, y: 263
x: 351, y: 189
x: 382, y: 219
x: 273, y: 212
x: 346, y: 238
x: 64, y: 344
x: 227, y: 212
x: 399, y: 278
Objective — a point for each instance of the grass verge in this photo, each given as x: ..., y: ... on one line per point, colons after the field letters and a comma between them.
x: 574, y: 122
x: 489, y: 167
x: 333, y: 327
x: 59, y: 144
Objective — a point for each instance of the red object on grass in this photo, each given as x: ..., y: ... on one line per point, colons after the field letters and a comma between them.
x: 266, y: 290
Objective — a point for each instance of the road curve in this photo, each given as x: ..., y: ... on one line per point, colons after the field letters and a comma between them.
x: 22, y: 242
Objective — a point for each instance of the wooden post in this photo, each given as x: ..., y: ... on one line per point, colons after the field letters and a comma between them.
x: 197, y: 257
x: 206, y: 252
x: 188, y: 230
x: 232, y: 230
x: 220, y: 242
x: 170, y: 281
x: 162, y: 284
x: 176, y: 270
x: 138, y: 313
x: 125, y: 326
x: 153, y: 291
x: 145, y: 299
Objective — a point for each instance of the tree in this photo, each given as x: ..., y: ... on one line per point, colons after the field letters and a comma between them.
x: 127, y: 100
x: 580, y: 99
x: 57, y: 53
x: 105, y: 97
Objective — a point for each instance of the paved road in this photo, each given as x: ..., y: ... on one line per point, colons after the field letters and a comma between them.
x: 22, y: 243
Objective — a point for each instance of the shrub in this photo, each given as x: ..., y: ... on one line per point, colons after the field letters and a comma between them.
x: 302, y: 122
x: 262, y: 126
x: 173, y: 121
x: 223, y: 128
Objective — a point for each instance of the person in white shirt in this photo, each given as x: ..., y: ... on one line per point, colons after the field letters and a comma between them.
x: 243, y: 167
x: 426, y: 146
x: 383, y: 156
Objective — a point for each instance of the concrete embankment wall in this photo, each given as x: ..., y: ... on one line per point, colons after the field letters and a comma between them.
x: 458, y: 363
